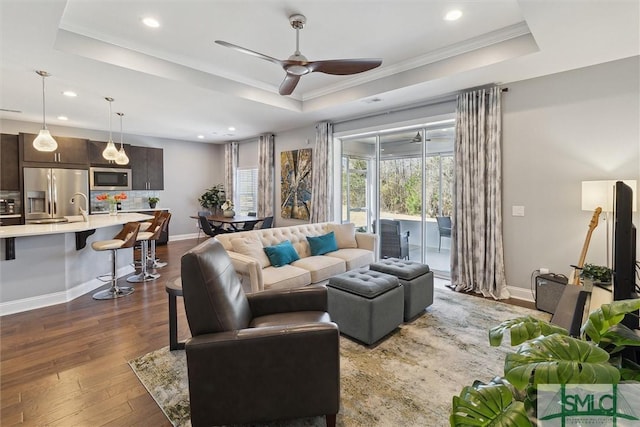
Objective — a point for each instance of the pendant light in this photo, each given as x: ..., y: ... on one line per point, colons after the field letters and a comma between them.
x: 44, y: 141
x: 111, y: 152
x: 122, y: 158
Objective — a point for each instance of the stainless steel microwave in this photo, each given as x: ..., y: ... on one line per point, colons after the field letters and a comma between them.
x: 109, y: 179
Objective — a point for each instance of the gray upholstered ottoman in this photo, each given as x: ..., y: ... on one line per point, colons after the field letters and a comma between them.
x: 416, y: 279
x: 365, y: 304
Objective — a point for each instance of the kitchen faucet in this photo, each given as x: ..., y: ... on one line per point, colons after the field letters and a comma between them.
x: 83, y: 212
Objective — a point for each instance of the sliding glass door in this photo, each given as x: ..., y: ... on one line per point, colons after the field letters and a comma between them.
x: 402, y: 180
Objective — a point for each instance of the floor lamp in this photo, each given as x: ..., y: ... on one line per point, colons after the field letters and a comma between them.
x: 601, y: 193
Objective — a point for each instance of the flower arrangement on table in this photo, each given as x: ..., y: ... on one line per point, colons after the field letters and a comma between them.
x: 112, y: 199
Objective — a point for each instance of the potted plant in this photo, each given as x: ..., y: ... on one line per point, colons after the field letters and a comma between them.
x: 546, y: 354
x: 213, y: 198
x: 153, y: 201
x: 227, y: 209
x: 596, y: 273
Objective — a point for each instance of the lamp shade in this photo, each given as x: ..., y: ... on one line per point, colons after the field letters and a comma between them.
x: 122, y: 158
x: 110, y: 152
x: 44, y: 141
x: 601, y: 193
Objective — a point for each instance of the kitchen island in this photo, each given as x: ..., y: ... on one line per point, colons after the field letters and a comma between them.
x: 54, y: 263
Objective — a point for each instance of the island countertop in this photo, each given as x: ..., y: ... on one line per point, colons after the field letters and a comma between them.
x: 76, y: 224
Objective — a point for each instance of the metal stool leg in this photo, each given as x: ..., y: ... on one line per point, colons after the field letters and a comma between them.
x: 114, y: 291
x: 144, y: 274
x: 153, y: 261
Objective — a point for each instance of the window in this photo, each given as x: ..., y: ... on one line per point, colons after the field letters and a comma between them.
x: 247, y: 191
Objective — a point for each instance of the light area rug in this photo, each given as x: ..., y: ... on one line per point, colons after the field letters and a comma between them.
x: 407, y: 379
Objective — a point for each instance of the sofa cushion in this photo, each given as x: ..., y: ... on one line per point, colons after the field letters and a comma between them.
x: 321, y: 267
x: 251, y: 246
x: 353, y: 258
x: 345, y: 235
x: 322, y: 244
x: 285, y: 277
x: 281, y: 254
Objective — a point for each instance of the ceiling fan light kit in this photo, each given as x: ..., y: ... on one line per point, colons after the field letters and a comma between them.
x: 298, y: 65
x: 44, y: 141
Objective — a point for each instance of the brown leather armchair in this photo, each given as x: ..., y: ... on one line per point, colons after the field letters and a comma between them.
x: 257, y: 357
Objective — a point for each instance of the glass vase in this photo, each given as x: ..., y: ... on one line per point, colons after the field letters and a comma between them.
x: 113, y: 209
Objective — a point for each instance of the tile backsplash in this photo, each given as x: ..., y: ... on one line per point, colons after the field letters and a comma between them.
x: 135, y: 200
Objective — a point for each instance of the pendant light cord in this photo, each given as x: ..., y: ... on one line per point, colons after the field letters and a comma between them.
x: 44, y: 124
x: 110, y: 114
x: 120, y: 114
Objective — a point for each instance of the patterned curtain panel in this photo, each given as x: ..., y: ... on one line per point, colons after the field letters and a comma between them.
x: 477, y: 258
x: 266, y: 175
x: 230, y: 166
x: 321, y: 199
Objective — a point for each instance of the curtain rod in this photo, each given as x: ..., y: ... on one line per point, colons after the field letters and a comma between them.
x: 432, y: 101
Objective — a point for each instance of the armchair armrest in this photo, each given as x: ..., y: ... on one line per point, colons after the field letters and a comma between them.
x: 367, y: 241
x: 308, y: 298
x: 248, y: 266
x: 244, y: 375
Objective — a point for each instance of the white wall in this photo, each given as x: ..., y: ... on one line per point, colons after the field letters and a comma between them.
x: 189, y: 168
x: 559, y: 130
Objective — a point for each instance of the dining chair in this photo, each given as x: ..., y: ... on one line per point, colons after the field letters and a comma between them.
x: 249, y: 225
x: 444, y: 228
x: 202, y: 213
x: 207, y: 228
x: 267, y: 223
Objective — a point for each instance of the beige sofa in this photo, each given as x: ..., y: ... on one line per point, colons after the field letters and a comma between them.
x: 246, y: 250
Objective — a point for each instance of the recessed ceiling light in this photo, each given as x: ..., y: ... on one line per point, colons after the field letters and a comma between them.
x: 63, y: 118
x: 453, y: 15
x: 231, y: 128
x: 150, y: 22
x: 70, y: 93
x: 200, y: 136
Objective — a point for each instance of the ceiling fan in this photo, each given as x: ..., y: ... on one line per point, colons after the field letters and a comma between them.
x: 298, y: 65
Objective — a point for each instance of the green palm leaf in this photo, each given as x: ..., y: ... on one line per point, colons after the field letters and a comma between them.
x: 559, y: 359
x: 608, y: 315
x: 523, y: 329
x: 488, y: 405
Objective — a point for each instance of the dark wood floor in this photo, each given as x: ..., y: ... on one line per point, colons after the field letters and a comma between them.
x: 66, y: 365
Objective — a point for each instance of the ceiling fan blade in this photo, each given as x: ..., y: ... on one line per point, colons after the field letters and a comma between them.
x: 289, y: 84
x: 250, y: 52
x: 343, y: 67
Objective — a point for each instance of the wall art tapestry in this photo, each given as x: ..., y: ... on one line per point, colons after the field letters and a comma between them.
x: 295, y: 183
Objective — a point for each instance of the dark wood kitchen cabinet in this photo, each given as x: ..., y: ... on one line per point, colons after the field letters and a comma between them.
x: 9, y: 169
x: 71, y: 151
x: 147, y: 168
x: 95, y: 154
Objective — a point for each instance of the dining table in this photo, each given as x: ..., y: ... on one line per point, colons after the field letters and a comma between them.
x: 233, y: 221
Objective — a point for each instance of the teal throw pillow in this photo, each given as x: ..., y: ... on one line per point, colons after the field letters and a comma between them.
x: 281, y: 254
x: 322, y: 244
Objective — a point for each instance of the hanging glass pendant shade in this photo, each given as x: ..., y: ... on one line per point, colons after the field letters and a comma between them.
x: 111, y: 152
x: 122, y: 158
x: 44, y: 141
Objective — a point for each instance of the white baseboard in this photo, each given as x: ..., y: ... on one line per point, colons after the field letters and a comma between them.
x: 185, y: 236
x: 521, y: 293
x: 40, y: 301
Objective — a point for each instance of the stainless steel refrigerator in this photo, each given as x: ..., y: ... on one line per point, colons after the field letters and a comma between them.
x: 48, y: 192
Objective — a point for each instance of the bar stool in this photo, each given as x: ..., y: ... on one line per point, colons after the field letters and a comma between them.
x: 152, y: 233
x: 153, y: 262
x: 126, y: 238
x: 144, y: 226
